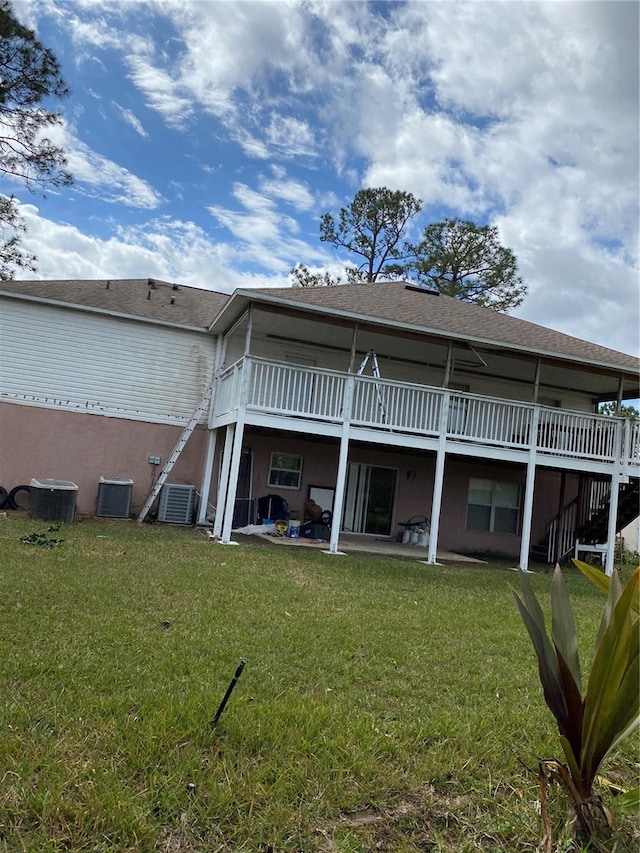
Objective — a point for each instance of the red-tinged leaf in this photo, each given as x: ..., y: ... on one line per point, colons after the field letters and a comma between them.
x: 535, y: 611
x: 545, y: 652
x: 575, y: 709
x: 563, y: 627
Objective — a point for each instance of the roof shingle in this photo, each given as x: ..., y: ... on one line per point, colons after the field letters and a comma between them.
x: 149, y: 299
x: 397, y: 302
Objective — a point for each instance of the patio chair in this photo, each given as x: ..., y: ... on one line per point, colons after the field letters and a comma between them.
x: 416, y: 522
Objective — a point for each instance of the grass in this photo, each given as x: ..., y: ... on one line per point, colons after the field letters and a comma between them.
x: 385, y: 704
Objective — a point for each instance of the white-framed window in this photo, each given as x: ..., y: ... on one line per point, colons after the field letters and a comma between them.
x: 493, y: 506
x: 285, y: 470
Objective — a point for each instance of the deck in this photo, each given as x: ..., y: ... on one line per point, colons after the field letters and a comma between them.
x: 295, y: 397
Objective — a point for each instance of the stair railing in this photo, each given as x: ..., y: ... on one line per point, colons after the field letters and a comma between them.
x: 561, y: 532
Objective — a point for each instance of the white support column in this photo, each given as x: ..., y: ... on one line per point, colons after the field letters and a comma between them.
x: 527, y: 511
x: 536, y: 382
x: 438, y: 481
x: 236, y: 453
x: 212, y: 437
x: 341, y: 478
x: 233, y: 480
x: 620, y: 395
x: 206, y: 475
x: 224, y: 479
x: 352, y: 357
x: 611, y: 527
x: 247, y: 337
x: 449, y: 366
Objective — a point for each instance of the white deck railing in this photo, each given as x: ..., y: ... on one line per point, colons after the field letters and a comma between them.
x: 310, y: 392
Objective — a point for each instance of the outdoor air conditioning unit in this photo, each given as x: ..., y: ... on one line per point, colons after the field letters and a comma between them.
x: 114, y: 497
x: 177, y: 504
x: 53, y: 500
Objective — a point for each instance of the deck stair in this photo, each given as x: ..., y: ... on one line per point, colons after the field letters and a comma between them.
x: 586, y: 518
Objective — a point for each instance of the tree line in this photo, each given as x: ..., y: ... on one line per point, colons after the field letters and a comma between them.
x: 455, y: 256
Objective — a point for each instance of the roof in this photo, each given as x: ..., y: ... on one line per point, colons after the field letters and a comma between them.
x: 390, y: 304
x: 400, y: 304
x: 143, y: 298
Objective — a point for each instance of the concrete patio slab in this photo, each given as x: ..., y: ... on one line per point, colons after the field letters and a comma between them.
x: 353, y: 543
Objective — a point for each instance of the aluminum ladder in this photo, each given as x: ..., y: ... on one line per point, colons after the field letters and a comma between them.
x: 175, y: 453
x: 375, y: 370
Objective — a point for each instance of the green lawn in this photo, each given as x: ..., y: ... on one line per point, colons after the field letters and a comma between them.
x: 385, y: 705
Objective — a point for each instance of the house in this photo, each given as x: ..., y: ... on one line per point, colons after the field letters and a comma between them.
x: 388, y: 400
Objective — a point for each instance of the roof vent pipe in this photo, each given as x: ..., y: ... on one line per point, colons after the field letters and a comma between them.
x: 148, y: 294
x: 173, y: 300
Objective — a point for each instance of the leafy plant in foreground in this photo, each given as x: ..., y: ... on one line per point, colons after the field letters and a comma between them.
x: 590, y: 726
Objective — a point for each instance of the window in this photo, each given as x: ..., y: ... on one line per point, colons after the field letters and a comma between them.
x: 493, y: 506
x: 285, y: 470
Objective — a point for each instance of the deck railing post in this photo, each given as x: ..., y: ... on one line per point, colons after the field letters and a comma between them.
x: 621, y: 445
x: 438, y: 480
x: 341, y: 478
x: 207, y: 474
x: 234, y: 468
x: 527, y: 511
x: 223, y: 486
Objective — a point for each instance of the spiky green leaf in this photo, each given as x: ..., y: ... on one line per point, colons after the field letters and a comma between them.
x: 572, y: 760
x: 598, y: 577
x: 563, y: 627
x: 614, y: 594
x: 612, y: 701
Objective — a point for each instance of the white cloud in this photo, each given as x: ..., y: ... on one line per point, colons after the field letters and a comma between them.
x: 132, y: 120
x: 97, y: 175
x: 162, y: 248
x: 295, y: 193
x: 267, y: 235
x: 162, y: 92
x: 290, y: 136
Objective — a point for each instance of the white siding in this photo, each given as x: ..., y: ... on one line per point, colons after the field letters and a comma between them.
x: 78, y: 361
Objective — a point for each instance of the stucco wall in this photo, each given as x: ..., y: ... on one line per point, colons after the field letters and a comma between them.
x: 48, y: 444
x: 414, y: 487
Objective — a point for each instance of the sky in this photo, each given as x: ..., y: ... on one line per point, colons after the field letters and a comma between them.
x: 207, y: 139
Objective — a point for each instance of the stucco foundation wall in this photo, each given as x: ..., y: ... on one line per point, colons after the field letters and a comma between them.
x: 414, y: 487
x: 453, y: 533
x: 47, y: 444
x: 320, y: 468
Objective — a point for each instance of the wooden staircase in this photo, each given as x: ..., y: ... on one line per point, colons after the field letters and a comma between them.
x: 586, y: 518
x: 595, y: 528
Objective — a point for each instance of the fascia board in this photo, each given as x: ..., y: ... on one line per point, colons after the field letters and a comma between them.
x: 244, y: 296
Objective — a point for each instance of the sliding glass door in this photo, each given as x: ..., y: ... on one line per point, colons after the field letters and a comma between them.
x: 369, y: 499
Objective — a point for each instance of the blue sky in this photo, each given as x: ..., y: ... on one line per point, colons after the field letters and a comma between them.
x: 207, y: 139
